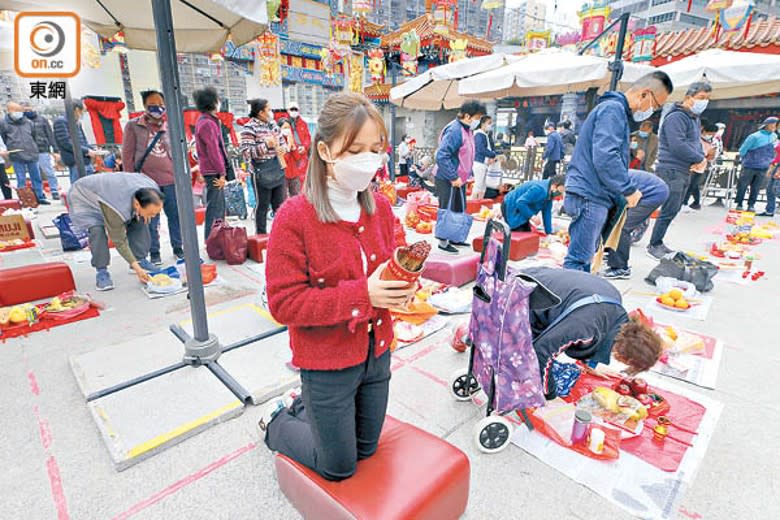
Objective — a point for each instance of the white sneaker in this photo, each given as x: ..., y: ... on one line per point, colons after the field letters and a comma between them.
x: 271, y: 410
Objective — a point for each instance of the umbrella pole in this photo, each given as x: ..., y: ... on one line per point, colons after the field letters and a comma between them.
x: 393, y: 82
x: 202, y: 347
x: 617, y: 65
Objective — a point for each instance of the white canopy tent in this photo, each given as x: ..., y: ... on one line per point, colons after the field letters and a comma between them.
x: 436, y: 88
x: 548, y: 72
x: 732, y: 74
x: 201, y: 25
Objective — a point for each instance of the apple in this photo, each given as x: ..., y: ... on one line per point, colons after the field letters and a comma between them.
x: 638, y: 386
x: 622, y: 389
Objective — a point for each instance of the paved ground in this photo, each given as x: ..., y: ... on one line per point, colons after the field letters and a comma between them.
x: 55, y: 465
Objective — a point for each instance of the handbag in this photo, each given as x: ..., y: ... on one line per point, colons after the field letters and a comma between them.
x: 268, y: 173
x: 27, y: 197
x: 70, y: 239
x: 686, y: 268
x: 451, y: 225
x: 228, y: 243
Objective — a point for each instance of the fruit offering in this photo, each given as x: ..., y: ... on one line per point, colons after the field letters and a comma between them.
x: 412, y: 219
x: 17, y: 314
x: 674, y: 299
x: 161, y: 280
x: 484, y: 213
x: 424, y: 228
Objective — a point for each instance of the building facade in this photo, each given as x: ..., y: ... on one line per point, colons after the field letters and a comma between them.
x: 527, y: 16
x: 673, y: 15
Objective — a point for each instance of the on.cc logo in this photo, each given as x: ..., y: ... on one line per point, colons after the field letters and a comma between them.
x: 47, y: 39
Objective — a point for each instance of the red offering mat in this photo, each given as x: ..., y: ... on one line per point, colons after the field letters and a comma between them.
x: 45, y: 323
x: 686, y: 416
x: 709, y: 342
x: 27, y: 245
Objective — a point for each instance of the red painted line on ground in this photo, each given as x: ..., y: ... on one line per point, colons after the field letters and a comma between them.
x: 246, y: 275
x: 400, y: 363
x: 56, y: 488
x: 424, y: 352
x: 33, y: 383
x: 689, y: 514
x: 186, y: 481
x: 44, y: 430
x: 432, y: 377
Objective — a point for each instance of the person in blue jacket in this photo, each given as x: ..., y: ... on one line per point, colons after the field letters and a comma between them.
x: 553, y: 151
x: 528, y: 199
x: 455, y: 160
x: 654, y: 194
x: 757, y: 152
x: 484, y: 155
x: 679, y: 150
x: 598, y: 172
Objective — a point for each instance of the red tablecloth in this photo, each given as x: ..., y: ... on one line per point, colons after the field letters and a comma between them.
x: 26, y: 245
x: 44, y: 324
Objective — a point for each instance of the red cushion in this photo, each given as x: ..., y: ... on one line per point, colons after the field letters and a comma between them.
x: 524, y: 244
x: 413, y: 474
x: 451, y: 270
x: 10, y: 204
x: 256, y: 244
x: 34, y: 282
x: 404, y: 191
x: 200, y: 216
x: 474, y: 206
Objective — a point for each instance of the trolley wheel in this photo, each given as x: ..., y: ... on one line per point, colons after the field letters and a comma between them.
x: 463, y: 385
x: 492, y: 434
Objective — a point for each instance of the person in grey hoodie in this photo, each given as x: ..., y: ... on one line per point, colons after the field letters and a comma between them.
x: 17, y: 133
x: 679, y: 149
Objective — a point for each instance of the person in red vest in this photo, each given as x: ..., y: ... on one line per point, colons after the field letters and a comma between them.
x: 300, y: 152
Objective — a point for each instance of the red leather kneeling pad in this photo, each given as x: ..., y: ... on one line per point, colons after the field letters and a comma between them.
x: 412, y: 475
x: 34, y: 282
x: 256, y: 244
x: 10, y: 204
x: 200, y: 216
x: 474, y: 206
x: 524, y: 244
x: 451, y: 270
x: 404, y: 191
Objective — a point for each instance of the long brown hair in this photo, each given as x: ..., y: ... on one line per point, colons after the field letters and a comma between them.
x: 344, y: 114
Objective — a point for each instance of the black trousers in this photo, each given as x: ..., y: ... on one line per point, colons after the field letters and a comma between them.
x: 618, y: 258
x: 550, y: 169
x: 694, y: 190
x: 753, y: 179
x: 267, y: 197
x: 338, y: 418
x: 215, y: 204
x: 5, y: 183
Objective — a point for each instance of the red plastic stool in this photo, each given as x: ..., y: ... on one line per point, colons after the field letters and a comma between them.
x: 524, y: 244
x: 34, y: 282
x: 413, y: 474
x: 200, y: 216
x: 256, y: 244
x: 474, y: 206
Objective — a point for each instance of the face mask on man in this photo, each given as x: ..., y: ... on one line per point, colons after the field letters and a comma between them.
x: 30, y: 114
x: 474, y: 124
x: 643, y: 134
x: 15, y: 116
x: 699, y: 106
x: 355, y: 172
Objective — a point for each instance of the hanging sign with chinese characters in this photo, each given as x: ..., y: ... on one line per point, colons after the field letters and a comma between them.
x: 537, y: 40
x: 644, y: 44
x: 445, y: 15
x: 269, y: 59
x: 376, y: 65
x: 593, y: 19
x: 356, y: 72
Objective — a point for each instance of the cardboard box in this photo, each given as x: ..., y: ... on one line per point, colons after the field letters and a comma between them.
x: 13, y: 227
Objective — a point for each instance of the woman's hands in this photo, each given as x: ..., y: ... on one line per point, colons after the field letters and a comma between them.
x: 388, y: 294
x: 142, y: 275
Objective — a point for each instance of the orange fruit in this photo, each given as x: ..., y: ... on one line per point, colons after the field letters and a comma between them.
x: 681, y: 304
x: 675, y: 294
x: 667, y: 300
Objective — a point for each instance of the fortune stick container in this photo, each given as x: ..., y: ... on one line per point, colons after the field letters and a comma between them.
x: 579, y: 430
x: 397, y: 267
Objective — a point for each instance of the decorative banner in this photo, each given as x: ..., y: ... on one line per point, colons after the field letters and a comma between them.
x: 315, y: 77
x: 594, y: 19
x: 326, y: 62
x: 489, y: 6
x: 362, y: 7
x: 644, y: 44
x: 410, y: 50
x: 230, y: 52
x: 117, y: 41
x: 445, y: 15
x: 568, y: 39
x: 90, y: 55
x: 272, y: 8
x: 733, y: 18
x: 538, y: 40
x: 376, y: 65
x: 269, y: 59
x: 458, y: 49
x: 344, y: 30
x: 356, y: 72
x: 609, y: 47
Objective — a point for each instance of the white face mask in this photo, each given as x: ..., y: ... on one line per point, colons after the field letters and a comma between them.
x: 474, y: 124
x: 354, y: 172
x: 16, y: 116
x: 641, y: 116
x: 699, y: 106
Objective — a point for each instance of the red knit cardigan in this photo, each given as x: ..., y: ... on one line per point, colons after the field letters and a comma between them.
x: 317, y: 287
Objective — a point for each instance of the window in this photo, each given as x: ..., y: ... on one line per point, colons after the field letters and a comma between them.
x: 660, y: 2
x: 661, y: 18
x: 693, y: 20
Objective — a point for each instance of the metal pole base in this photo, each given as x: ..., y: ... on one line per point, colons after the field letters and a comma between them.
x: 201, y: 352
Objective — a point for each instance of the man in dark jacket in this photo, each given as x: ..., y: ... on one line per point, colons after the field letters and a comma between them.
x: 757, y: 153
x: 647, y: 141
x: 62, y: 136
x: 592, y: 332
x: 679, y: 149
x: 568, y: 137
x: 654, y: 194
x: 17, y: 133
x: 553, y: 151
x: 47, y: 149
x: 522, y: 203
x: 597, y: 176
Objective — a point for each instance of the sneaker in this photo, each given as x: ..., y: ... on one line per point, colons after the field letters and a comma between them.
x: 179, y: 252
x: 448, y: 250
x: 765, y: 214
x: 751, y: 210
x: 44, y: 202
x: 695, y: 206
x: 617, y: 274
x: 146, y: 265
x: 460, y: 244
x: 55, y: 195
x: 103, y: 280
x: 659, y: 251
x: 155, y: 258
x: 271, y: 410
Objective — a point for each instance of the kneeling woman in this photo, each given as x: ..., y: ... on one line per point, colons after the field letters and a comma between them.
x: 589, y: 324
x: 325, y: 253
x: 121, y: 204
